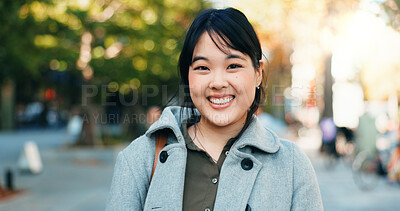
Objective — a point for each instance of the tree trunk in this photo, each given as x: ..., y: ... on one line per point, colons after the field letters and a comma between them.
x: 88, y: 135
x: 7, y: 104
x: 2, y: 191
x: 328, y: 109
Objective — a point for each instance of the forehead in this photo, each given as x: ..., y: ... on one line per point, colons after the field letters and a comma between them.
x: 208, y: 46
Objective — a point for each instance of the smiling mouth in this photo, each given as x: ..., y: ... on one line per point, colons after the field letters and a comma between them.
x: 220, y: 101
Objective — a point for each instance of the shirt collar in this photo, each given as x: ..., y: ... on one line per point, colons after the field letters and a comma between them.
x: 254, y: 136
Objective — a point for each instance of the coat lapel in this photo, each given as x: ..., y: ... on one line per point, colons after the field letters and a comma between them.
x: 237, y: 179
x: 166, y: 188
x: 236, y: 183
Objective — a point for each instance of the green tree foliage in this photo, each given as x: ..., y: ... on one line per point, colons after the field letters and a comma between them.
x: 392, y: 8
x: 129, y: 42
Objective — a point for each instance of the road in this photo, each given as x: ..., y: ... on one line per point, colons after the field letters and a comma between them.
x: 72, y: 179
x: 339, y: 191
x: 12, y: 143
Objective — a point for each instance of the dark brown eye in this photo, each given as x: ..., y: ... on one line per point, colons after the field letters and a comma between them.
x: 234, y: 66
x: 201, y: 68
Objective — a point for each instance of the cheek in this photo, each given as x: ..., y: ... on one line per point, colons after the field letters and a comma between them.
x: 194, y: 86
x: 245, y: 86
x: 248, y: 94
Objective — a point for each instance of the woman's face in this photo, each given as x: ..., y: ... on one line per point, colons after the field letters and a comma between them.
x: 222, y: 86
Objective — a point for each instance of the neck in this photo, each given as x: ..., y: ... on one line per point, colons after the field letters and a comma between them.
x: 218, y: 135
x: 213, y: 138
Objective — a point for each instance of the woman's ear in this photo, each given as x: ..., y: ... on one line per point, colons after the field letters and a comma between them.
x: 259, y: 72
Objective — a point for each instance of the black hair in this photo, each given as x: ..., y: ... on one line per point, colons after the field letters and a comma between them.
x: 228, y: 28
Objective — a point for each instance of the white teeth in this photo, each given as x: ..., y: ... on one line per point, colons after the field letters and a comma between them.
x: 221, y: 101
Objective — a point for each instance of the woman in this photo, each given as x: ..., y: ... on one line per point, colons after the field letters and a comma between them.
x: 218, y: 156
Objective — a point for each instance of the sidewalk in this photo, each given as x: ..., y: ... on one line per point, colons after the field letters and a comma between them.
x: 73, y: 179
x: 338, y: 189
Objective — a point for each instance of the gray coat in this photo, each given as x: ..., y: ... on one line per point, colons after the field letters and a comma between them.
x: 279, y: 177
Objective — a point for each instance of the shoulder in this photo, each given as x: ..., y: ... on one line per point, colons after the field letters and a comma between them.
x: 292, y: 151
x: 288, y: 156
x: 139, y: 145
x: 301, y: 167
x: 131, y: 176
x: 290, y: 146
x: 139, y: 154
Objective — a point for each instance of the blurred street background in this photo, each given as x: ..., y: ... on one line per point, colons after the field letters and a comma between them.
x: 80, y: 79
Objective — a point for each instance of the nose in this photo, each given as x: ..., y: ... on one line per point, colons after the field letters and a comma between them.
x: 218, y: 80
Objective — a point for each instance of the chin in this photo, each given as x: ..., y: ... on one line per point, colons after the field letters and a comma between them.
x: 221, y: 120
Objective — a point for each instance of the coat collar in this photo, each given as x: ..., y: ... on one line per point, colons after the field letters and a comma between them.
x: 254, y: 136
x: 171, y: 118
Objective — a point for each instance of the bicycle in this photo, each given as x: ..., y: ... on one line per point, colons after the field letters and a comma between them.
x: 368, y: 167
x: 365, y: 169
x: 343, y: 148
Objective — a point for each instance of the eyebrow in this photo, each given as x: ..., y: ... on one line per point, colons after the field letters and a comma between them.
x: 230, y: 56
x: 199, y: 58
x: 234, y: 56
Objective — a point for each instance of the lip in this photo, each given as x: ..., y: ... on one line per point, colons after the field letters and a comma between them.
x: 220, y: 106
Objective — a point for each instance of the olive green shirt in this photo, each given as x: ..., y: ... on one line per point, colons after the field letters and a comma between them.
x: 202, y: 173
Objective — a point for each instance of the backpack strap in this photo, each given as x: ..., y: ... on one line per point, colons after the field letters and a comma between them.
x: 161, y: 141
